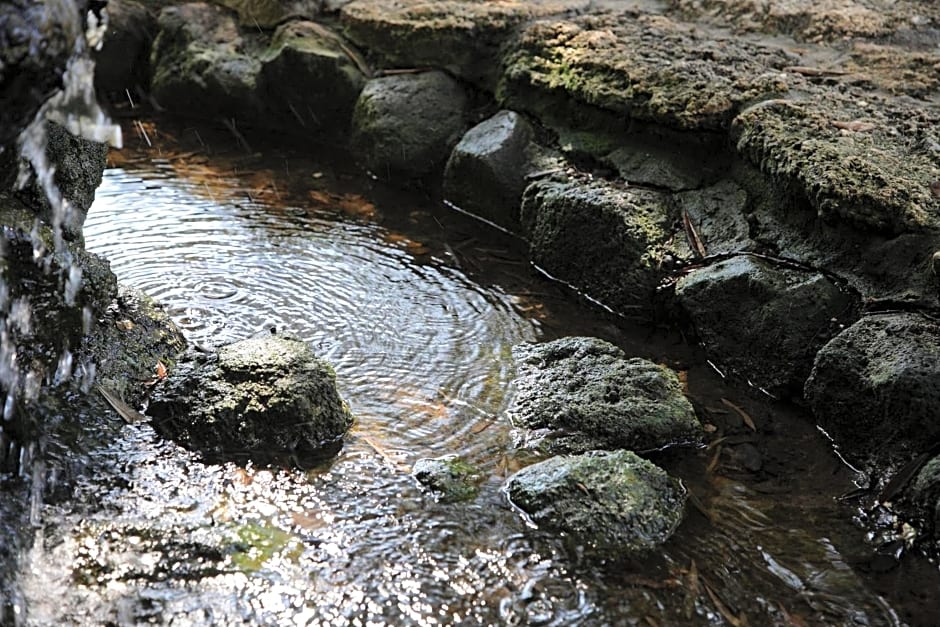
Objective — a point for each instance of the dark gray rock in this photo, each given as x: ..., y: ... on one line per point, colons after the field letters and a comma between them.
x: 309, y: 78
x: 764, y: 321
x: 587, y: 395
x: 406, y: 125
x: 606, y: 240
x: 449, y: 476
x: 123, y: 63
x: 718, y: 216
x: 921, y: 499
x: 488, y: 170
x: 875, y: 388
x: 614, y: 503
x: 79, y: 164
x: 202, y: 65
x: 262, y: 399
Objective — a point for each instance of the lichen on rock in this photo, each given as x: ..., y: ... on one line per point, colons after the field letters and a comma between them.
x: 262, y: 399
x: 615, y: 504
x: 583, y: 393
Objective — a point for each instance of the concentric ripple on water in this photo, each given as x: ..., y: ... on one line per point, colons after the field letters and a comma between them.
x: 413, y: 340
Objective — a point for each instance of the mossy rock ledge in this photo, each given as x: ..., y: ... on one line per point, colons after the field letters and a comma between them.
x: 577, y: 394
x: 615, y: 503
x: 268, y: 400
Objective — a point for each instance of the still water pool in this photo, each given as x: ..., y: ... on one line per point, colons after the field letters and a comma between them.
x: 417, y: 307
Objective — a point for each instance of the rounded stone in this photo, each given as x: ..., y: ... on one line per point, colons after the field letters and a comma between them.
x: 615, y: 503
x: 875, y: 388
x: 406, y: 125
x: 587, y: 395
x: 263, y: 399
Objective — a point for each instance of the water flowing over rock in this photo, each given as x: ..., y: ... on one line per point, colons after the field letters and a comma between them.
x: 875, y: 387
x: 606, y: 240
x: 261, y: 399
x: 764, y: 321
x: 587, y: 395
x: 613, y: 503
x: 406, y: 125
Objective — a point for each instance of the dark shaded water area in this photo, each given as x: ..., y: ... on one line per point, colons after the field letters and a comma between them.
x: 417, y: 306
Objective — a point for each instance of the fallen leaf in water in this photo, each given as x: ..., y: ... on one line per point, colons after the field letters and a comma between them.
x: 161, y: 370
x: 125, y: 411
x: 124, y: 325
x: 744, y: 415
x: 709, y: 427
x: 726, y: 613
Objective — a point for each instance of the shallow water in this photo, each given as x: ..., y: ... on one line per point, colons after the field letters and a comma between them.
x: 417, y: 307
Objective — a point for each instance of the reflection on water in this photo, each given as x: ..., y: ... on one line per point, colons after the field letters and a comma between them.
x: 417, y: 308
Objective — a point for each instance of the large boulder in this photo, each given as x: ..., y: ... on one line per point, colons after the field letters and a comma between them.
x: 308, y: 77
x: 604, y: 239
x: 202, y: 65
x: 582, y: 393
x: 488, y: 170
x: 462, y: 36
x: 613, y: 503
x: 406, y: 125
x: 764, y: 321
x: 875, y: 388
x: 261, y: 399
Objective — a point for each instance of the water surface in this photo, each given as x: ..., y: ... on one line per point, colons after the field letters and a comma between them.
x: 418, y: 307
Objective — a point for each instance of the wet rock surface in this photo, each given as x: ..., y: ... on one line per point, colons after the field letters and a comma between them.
x: 765, y: 321
x: 583, y: 394
x: 874, y: 387
x: 449, y: 477
x: 605, y: 239
x: 259, y: 399
x: 487, y: 171
x: 407, y: 125
x: 614, y: 503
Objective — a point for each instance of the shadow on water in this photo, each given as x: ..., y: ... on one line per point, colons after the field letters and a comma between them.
x: 417, y: 307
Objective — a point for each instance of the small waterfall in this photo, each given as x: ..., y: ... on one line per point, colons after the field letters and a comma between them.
x: 23, y: 438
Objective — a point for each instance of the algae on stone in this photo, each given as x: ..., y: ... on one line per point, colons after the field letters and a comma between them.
x: 608, y: 241
x: 588, y: 395
x: 613, y: 503
x: 461, y: 36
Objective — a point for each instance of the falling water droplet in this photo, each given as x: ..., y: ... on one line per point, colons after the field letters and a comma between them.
x: 8, y: 406
x: 89, y: 370
x: 87, y: 320
x: 32, y: 385
x: 64, y: 370
x: 72, y: 284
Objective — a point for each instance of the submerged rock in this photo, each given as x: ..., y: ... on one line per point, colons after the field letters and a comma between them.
x: 615, y: 503
x: 587, y: 395
x: 406, y: 125
x: 486, y: 173
x: 262, y: 399
x: 875, y: 387
x: 764, y: 321
x: 449, y: 476
x: 606, y: 240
